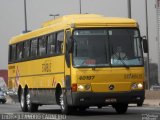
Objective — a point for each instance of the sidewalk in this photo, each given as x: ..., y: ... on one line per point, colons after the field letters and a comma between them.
x: 152, y: 102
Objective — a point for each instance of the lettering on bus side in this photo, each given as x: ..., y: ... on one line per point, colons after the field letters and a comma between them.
x: 133, y: 76
x: 86, y: 77
x: 46, y: 66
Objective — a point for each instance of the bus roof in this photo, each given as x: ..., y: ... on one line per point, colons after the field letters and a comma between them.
x: 76, y: 20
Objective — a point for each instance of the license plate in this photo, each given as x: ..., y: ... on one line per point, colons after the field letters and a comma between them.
x: 111, y: 100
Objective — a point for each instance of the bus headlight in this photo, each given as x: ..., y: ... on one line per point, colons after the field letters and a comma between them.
x: 137, y: 86
x: 80, y: 87
x: 84, y: 87
x: 140, y: 85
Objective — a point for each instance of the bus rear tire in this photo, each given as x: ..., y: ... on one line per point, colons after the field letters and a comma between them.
x: 121, y: 108
x: 31, y: 106
x: 23, y: 102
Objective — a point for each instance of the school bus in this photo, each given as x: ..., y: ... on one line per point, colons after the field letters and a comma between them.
x: 78, y: 61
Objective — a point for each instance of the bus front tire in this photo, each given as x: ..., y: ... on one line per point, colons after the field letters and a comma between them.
x: 121, y: 108
x: 23, y: 102
x: 139, y: 104
x: 63, y: 103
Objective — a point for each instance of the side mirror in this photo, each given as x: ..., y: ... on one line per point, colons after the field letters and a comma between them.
x: 145, y: 44
x: 69, y: 41
x: 69, y: 44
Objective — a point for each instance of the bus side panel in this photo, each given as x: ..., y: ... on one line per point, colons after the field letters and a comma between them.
x: 41, y: 77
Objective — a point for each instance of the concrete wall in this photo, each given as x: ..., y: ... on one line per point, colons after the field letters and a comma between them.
x: 152, y: 94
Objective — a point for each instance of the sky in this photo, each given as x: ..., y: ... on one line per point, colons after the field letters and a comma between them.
x: 38, y: 11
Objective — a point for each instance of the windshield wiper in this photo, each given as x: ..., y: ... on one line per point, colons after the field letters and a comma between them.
x: 122, y: 60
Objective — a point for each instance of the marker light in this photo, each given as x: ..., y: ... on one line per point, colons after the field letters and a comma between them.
x: 134, y: 86
x: 74, y: 87
x: 87, y: 86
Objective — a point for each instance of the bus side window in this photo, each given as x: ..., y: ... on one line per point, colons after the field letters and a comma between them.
x: 19, y: 51
x: 26, y: 49
x: 59, y: 45
x: 51, y: 44
x: 34, y: 44
x: 12, y: 53
x: 42, y: 46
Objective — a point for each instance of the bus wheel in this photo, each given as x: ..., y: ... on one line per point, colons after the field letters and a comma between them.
x: 23, y: 102
x: 63, y: 103
x: 121, y: 108
x: 3, y: 102
x: 139, y: 104
x: 31, y: 106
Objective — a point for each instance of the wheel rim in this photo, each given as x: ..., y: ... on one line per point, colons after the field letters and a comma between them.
x: 62, y: 102
x: 22, y: 100
x: 28, y: 100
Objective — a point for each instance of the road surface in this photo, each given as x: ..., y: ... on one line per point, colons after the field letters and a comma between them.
x: 13, y: 112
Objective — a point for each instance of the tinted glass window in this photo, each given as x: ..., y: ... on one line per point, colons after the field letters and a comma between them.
x: 125, y: 47
x: 26, y: 49
x: 12, y: 53
x: 90, y: 48
x: 60, y: 39
x: 42, y: 46
x: 102, y: 47
x: 34, y: 48
x: 19, y: 51
x: 51, y: 44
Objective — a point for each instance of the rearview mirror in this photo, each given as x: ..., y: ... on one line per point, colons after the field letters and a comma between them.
x: 69, y: 42
x: 145, y: 44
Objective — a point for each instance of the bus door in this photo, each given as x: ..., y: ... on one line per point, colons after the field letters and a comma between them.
x: 68, y: 65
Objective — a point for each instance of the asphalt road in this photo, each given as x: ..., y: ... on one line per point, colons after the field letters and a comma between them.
x: 11, y: 112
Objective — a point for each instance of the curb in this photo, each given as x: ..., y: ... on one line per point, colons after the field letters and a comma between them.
x: 152, y: 102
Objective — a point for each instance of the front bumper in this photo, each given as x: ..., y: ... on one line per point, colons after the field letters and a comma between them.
x: 102, y: 99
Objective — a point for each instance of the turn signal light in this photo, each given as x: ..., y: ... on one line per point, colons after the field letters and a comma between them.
x: 74, y: 87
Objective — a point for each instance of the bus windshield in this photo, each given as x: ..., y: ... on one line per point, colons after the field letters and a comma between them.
x: 105, y: 47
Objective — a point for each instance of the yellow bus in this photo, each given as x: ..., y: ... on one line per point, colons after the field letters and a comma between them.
x: 78, y: 61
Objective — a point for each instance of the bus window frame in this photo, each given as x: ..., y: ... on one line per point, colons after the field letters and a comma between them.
x: 42, y: 39
x: 10, y: 53
x: 24, y: 49
x: 136, y: 28
x: 59, y: 48
x: 17, y: 54
x: 31, y: 54
x: 38, y: 57
x: 48, y: 52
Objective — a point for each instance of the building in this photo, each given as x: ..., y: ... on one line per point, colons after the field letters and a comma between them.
x: 4, y: 76
x: 158, y: 35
